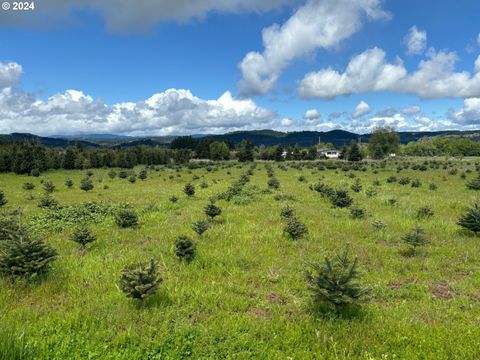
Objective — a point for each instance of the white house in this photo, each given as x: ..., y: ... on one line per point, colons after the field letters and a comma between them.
x: 330, y: 154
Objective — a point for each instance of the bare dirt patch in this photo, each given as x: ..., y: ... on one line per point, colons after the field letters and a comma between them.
x: 441, y: 290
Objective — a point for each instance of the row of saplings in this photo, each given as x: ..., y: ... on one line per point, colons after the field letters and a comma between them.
x: 23, y: 256
x: 333, y: 282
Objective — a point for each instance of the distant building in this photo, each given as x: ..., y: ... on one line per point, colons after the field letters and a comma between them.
x: 330, y: 154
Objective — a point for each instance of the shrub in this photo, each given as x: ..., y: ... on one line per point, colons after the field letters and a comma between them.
x: 340, y: 198
x: 287, y: 212
x: 3, y: 201
x: 392, y: 201
x: 273, y: 183
x: 295, y: 229
x: 357, y: 186
x: 126, y: 218
x: 83, y: 236
x: 69, y: 183
x: 48, y: 186
x: 424, y: 212
x: 28, y: 186
x: 173, y: 199
x: 143, y: 174
x: 371, y: 192
x: 35, y: 172
x: 111, y: 174
x: 404, y: 181
x: 415, y: 238
x: 474, y: 184
x: 471, y: 219
x: 132, y: 178
x: 433, y: 187
x: 391, y: 179
x: 47, y: 202
x: 140, y: 281
x: 357, y: 213
x: 23, y: 257
x: 189, y: 190
x: 416, y: 183
x: 86, y: 184
x: 203, y: 185
x: 185, y: 248
x: 122, y: 174
x: 336, y: 283
x: 200, y: 226
x: 212, y: 210
x: 302, y: 178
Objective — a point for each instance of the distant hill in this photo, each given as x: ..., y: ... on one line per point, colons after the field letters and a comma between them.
x: 336, y: 137
x: 47, y: 141
x: 258, y: 137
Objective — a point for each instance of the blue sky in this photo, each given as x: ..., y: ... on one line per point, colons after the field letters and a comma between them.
x: 184, y: 66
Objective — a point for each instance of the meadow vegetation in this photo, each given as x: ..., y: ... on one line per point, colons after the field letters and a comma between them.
x: 299, y: 260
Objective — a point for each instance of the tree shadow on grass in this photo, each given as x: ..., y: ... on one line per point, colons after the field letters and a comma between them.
x: 329, y: 312
x: 159, y: 300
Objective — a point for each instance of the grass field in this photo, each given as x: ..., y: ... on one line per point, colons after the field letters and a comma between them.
x: 245, y: 296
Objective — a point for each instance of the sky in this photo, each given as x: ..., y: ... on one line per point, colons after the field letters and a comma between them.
x: 177, y: 67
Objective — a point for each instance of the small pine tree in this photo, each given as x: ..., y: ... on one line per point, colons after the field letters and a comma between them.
x: 22, y: 256
x: 474, y: 184
x: 357, y: 213
x: 295, y: 229
x: 28, y: 186
x: 69, y: 183
x: 356, y: 186
x: 424, y: 212
x: 112, y: 174
x: 200, y: 226
x: 173, y: 199
x: 132, y: 178
x: 415, y: 238
x: 140, y: 281
x: 340, y: 198
x: 471, y: 219
x: 143, y: 174
x: 273, y: 183
x: 189, y: 190
x: 3, y: 201
x: 83, y: 236
x: 336, y: 282
x: 47, y: 202
x: 126, y: 218
x: 212, y: 210
x: 86, y: 184
x: 287, y: 212
x: 185, y: 248
x: 10, y: 227
x: 48, y: 187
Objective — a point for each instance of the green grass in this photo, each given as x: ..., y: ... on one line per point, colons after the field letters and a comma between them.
x: 245, y: 295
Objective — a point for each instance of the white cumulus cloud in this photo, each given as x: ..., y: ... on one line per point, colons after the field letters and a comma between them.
x: 416, y: 41
x: 412, y: 110
x: 312, y: 114
x: 10, y: 74
x: 361, y: 109
x: 316, y: 24
x: 174, y: 111
x: 469, y: 114
x: 371, y: 72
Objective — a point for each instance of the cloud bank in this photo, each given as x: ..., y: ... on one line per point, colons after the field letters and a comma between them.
x: 371, y: 72
x: 315, y: 25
